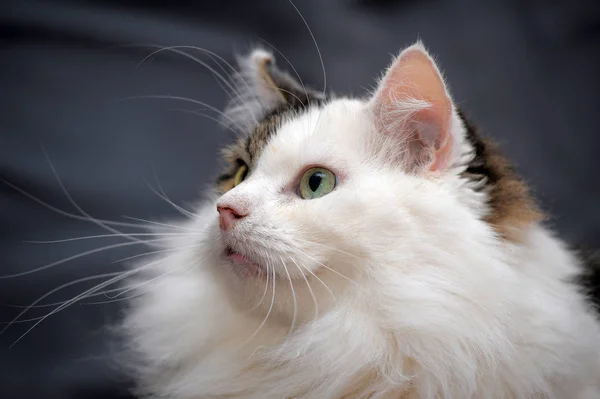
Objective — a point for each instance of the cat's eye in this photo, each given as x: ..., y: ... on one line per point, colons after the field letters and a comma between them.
x: 316, y: 182
x: 240, y: 174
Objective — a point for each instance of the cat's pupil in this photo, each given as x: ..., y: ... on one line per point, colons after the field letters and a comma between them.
x: 315, y: 181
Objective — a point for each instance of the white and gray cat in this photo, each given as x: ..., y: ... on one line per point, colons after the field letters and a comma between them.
x: 362, y: 248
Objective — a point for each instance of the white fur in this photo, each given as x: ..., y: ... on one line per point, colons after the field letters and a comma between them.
x: 416, y: 297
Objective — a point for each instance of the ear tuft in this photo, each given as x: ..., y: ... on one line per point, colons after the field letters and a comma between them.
x: 412, y: 107
x: 261, y: 88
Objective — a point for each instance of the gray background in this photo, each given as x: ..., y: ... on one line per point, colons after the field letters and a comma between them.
x: 525, y: 71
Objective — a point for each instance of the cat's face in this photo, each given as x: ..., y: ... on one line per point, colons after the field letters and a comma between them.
x: 320, y: 235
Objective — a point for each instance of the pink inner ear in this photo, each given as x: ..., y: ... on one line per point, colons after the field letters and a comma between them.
x: 414, y: 79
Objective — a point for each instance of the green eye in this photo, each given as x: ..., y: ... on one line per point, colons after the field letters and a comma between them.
x: 240, y: 175
x: 316, y: 182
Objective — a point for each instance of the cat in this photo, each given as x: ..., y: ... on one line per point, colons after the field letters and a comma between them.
x: 362, y: 248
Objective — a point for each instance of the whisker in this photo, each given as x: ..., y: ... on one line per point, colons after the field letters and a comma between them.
x: 74, y: 299
x: 105, y: 293
x: 125, y: 298
x: 217, y: 59
x: 221, y: 80
x: 163, y: 224
x: 160, y: 251
x: 293, y: 324
x: 268, y: 312
x: 54, y: 304
x: 164, y: 196
x: 290, y: 93
x: 185, y: 99
x: 317, y: 277
x: 328, y: 268
x: 223, y: 125
x: 289, y: 63
x: 328, y: 247
x: 312, y: 294
x: 68, y: 214
x: 316, y: 46
x: 102, y: 236
x: 66, y: 285
x: 74, y: 203
x: 231, y: 82
x: 175, y: 49
x: 77, y: 256
x: 194, y: 262
x: 70, y: 283
x: 264, y: 292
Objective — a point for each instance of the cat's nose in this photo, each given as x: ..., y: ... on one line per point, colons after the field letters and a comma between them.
x: 228, y: 216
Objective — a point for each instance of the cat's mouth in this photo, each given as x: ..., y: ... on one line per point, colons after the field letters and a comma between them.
x: 243, y: 265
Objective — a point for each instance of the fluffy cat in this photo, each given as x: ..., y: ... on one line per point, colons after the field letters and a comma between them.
x: 362, y: 248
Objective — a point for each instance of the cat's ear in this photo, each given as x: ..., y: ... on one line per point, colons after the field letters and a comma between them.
x: 260, y: 87
x: 413, y: 110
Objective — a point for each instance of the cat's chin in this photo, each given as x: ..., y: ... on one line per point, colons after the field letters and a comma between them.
x: 243, y: 266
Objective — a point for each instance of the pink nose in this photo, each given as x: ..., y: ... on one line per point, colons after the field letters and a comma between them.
x: 228, y: 217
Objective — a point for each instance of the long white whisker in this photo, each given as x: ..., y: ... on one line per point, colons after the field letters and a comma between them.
x: 216, y: 58
x: 66, y: 285
x: 223, y: 125
x: 164, y: 196
x: 54, y: 304
x: 104, y: 236
x: 68, y: 214
x: 328, y: 268
x: 172, y: 226
x: 312, y: 294
x: 125, y: 298
x: 264, y: 292
x: 160, y: 251
x: 175, y: 49
x: 317, y: 277
x: 105, y: 293
x: 316, y: 46
x: 328, y: 247
x: 74, y: 299
x: 77, y: 256
x: 268, y: 312
x: 293, y: 324
x: 70, y: 283
x: 79, y: 209
x: 290, y: 93
x: 194, y: 262
x: 167, y: 97
x: 230, y: 85
x: 289, y: 63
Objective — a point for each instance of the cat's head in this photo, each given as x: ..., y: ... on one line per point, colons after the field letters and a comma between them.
x: 324, y: 194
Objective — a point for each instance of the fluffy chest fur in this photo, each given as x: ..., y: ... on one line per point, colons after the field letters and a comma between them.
x: 501, y: 333
x: 421, y: 271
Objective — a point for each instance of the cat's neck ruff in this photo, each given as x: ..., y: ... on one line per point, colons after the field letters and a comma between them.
x: 364, y: 345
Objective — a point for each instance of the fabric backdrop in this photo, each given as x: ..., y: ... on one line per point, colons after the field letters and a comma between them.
x: 525, y: 71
